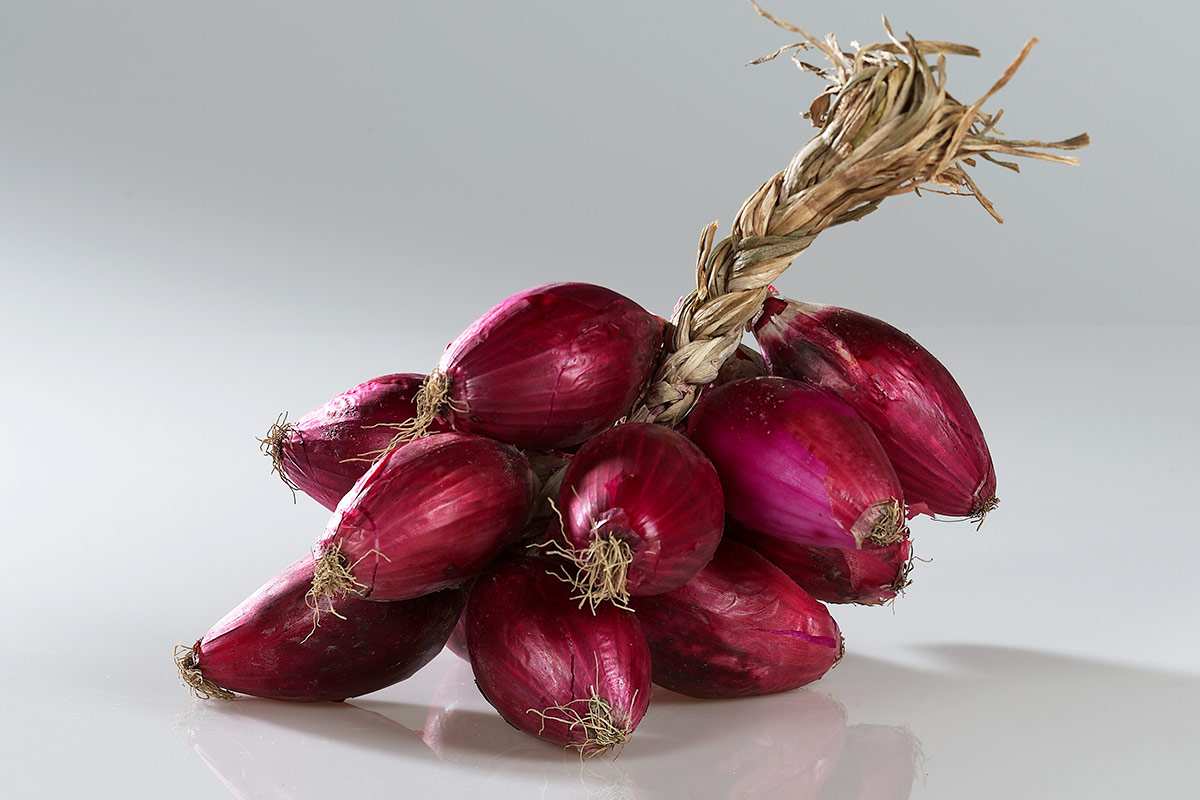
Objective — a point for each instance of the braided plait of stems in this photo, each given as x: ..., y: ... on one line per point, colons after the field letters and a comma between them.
x: 887, y: 127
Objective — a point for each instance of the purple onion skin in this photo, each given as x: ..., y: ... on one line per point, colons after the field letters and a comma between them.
x: 909, y: 399
x: 431, y: 514
x: 322, y: 450
x: 871, y: 576
x: 741, y: 627
x: 651, y: 487
x: 532, y: 647
x: 268, y: 647
x: 795, y: 462
x: 552, y: 366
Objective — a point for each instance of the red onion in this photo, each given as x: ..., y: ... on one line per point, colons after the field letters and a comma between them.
x: 566, y: 675
x: 908, y: 398
x: 324, y: 452
x: 642, y: 513
x: 740, y: 627
x: 799, y: 464
x: 870, y: 576
x: 424, y: 517
x: 547, y: 368
x: 268, y: 646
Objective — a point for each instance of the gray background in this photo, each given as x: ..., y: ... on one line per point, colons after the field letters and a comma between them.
x: 214, y: 212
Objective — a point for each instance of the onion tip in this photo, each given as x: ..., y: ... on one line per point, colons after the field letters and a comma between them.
x: 986, y: 507
x: 599, y: 572
x: 431, y: 399
x: 332, y: 578
x: 888, y: 526
x: 596, y: 720
x: 189, y: 673
x: 271, y: 446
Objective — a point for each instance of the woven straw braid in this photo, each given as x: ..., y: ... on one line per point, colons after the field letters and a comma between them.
x: 887, y: 127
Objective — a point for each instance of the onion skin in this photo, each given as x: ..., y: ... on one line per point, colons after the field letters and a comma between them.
x: 322, y: 453
x: 911, y: 401
x: 429, y: 515
x: 533, y: 650
x: 741, y: 627
x: 269, y: 647
x: 871, y: 576
x: 653, y: 489
x: 550, y: 367
x: 799, y: 463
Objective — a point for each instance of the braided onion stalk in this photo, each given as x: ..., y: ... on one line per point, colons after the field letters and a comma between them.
x: 887, y: 126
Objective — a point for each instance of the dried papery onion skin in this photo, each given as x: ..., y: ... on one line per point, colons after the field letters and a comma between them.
x: 561, y: 673
x: 740, y: 628
x: 910, y: 400
x: 427, y: 516
x: 799, y: 463
x: 650, y: 489
x: 324, y: 452
x: 269, y: 647
x: 870, y: 576
x: 550, y: 367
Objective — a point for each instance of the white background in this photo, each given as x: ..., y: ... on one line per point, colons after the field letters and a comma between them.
x: 211, y: 213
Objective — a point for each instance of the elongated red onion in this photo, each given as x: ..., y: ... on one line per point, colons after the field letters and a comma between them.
x: 551, y: 669
x: 870, y: 576
x: 909, y: 399
x: 798, y: 463
x: 427, y: 516
x: 324, y: 452
x: 642, y: 513
x: 741, y: 627
x: 269, y: 647
x: 548, y: 368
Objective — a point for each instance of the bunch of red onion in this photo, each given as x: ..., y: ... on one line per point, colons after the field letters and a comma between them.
x: 502, y: 504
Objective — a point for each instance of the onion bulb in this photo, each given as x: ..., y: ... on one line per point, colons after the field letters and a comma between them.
x: 553, y: 670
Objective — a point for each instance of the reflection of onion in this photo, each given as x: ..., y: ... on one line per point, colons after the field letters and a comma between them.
x: 447, y: 699
x: 782, y: 746
x: 261, y: 748
x: 878, y: 763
